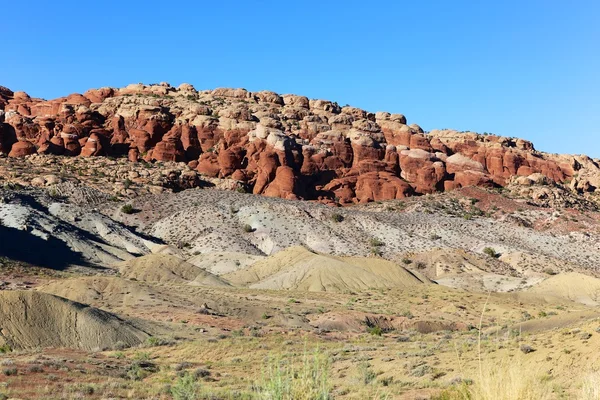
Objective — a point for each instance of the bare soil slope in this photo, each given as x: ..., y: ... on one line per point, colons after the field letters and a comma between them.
x: 165, y: 268
x: 30, y: 320
x: 572, y: 286
x: 297, y: 268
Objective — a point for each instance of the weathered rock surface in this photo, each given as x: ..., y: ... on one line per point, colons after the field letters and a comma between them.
x: 278, y: 145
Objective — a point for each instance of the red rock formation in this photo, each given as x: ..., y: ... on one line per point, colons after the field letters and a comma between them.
x: 22, y: 148
x: 279, y: 145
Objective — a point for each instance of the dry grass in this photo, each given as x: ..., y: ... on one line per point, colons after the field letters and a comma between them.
x: 508, y: 380
x: 284, y: 380
x: 590, y: 388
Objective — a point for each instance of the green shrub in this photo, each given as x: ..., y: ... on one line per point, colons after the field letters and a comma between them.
x: 491, y: 252
x: 248, y: 228
x: 375, y: 330
x: 185, y: 388
x: 375, y: 242
x: 337, y: 217
x: 127, y: 209
x: 367, y: 375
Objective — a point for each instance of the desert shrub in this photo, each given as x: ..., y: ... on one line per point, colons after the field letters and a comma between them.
x: 248, y: 228
x: 201, y: 373
x: 127, y: 209
x: 406, y: 261
x: 550, y: 271
x: 490, y: 252
x: 35, y: 369
x: 387, y: 381
x: 434, y: 236
x: 54, y: 194
x: 283, y: 380
x: 155, y: 342
x: 337, y: 217
x: 9, y: 371
x: 375, y: 242
x: 375, y: 330
x: 367, y: 375
x: 127, y: 183
x: 185, y: 388
x: 5, y: 348
x: 376, y: 251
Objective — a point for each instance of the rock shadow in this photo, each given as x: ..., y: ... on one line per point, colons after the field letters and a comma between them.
x: 25, y: 247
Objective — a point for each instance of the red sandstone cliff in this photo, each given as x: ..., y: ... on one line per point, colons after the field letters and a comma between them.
x: 280, y: 145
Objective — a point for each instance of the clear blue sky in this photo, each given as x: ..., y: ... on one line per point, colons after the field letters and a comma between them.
x: 527, y: 68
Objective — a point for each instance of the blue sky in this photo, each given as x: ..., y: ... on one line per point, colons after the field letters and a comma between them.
x: 527, y: 68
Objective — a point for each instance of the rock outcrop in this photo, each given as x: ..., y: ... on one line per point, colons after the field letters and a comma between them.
x: 278, y: 145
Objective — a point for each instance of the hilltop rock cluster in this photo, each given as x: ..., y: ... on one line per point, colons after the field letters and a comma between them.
x: 279, y: 145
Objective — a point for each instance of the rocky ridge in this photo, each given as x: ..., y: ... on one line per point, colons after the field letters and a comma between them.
x: 275, y: 145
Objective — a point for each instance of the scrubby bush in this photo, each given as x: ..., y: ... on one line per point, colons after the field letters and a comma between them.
x: 375, y: 242
x: 375, y: 330
x: 127, y: 209
x: 337, y: 217
x: 185, y: 388
x: 248, y: 228
x: 491, y: 252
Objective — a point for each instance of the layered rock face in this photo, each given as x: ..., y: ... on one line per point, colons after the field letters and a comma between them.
x: 279, y: 145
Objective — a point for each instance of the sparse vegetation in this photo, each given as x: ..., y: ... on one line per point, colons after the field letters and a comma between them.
x: 337, y: 217
x: 375, y: 330
x: 375, y: 242
x: 127, y: 209
x: 283, y: 380
x: 185, y: 388
x: 490, y: 252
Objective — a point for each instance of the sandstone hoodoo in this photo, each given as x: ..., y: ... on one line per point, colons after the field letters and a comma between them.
x: 278, y: 145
